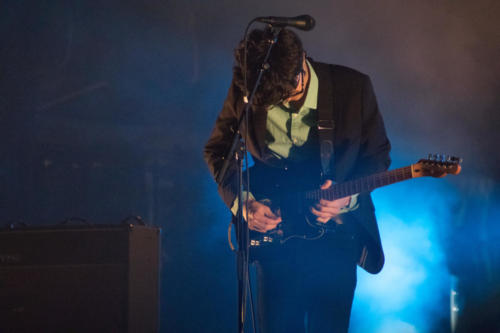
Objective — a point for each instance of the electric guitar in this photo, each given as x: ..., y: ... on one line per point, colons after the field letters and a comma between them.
x: 292, y: 202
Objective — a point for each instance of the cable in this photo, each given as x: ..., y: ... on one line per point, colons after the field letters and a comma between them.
x: 247, y: 259
x: 252, y: 312
x: 245, y: 154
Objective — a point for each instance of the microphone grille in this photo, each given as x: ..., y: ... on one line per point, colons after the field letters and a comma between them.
x: 309, y: 22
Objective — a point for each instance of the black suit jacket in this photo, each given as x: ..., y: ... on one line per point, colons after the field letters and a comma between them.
x: 361, y: 146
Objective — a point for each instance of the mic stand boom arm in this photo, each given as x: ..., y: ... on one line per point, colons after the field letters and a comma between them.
x: 242, y: 253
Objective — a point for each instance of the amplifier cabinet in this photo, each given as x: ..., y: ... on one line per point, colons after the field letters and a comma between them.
x: 80, y: 279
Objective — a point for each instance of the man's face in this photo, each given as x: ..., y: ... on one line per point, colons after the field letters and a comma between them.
x: 300, y: 82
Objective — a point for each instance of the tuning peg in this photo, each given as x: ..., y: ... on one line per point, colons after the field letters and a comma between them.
x: 450, y: 161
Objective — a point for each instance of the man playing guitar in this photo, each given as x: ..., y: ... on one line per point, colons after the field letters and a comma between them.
x: 306, y: 281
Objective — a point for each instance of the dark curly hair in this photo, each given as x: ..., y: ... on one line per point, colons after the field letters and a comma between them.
x: 279, y: 81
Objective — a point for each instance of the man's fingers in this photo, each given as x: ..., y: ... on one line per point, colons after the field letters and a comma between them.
x: 257, y: 228
x: 267, y: 220
x: 328, y: 210
x: 326, y: 184
x: 320, y: 214
x: 342, y: 202
x: 329, y: 204
x: 262, y: 223
x: 322, y: 220
x: 261, y: 218
x: 257, y: 225
x: 270, y: 227
x: 261, y: 227
x: 266, y: 211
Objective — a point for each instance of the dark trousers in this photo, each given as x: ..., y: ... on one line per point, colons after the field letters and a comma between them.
x: 308, y: 286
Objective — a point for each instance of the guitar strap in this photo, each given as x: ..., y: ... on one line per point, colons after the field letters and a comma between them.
x: 326, y: 123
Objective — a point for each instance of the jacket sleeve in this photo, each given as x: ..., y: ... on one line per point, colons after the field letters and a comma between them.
x: 373, y: 157
x: 219, y: 143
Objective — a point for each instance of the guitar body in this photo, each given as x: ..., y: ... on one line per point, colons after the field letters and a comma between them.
x: 282, y: 191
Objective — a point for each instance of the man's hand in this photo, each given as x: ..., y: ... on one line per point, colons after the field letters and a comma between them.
x: 260, y: 217
x: 326, y: 210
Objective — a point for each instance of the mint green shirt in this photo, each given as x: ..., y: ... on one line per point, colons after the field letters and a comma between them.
x: 281, y: 139
x: 301, y: 121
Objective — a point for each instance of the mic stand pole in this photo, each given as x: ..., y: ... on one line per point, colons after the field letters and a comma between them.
x: 242, y: 234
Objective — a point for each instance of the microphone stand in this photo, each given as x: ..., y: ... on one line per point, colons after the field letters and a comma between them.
x: 237, y: 152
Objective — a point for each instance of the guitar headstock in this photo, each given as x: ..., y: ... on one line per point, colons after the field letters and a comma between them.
x: 436, y: 165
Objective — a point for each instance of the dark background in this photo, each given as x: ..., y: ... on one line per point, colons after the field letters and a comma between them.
x: 105, y: 108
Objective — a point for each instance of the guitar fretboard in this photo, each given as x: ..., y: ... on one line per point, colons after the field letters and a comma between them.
x: 364, y: 184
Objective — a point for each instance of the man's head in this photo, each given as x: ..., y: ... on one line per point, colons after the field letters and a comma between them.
x: 284, y: 76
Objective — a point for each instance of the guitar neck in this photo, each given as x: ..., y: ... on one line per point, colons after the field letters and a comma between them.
x: 360, y: 185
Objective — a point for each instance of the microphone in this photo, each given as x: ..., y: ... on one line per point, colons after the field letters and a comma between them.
x: 302, y: 22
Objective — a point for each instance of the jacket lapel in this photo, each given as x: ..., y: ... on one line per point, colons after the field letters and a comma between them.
x: 322, y: 71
